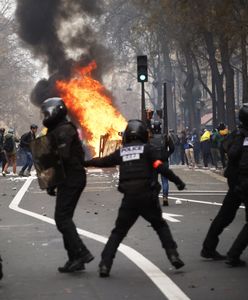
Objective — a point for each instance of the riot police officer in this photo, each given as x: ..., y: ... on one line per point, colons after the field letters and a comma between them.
x: 138, y: 182
x: 241, y: 242
x: 236, y: 147
x: 69, y: 189
x: 164, y: 147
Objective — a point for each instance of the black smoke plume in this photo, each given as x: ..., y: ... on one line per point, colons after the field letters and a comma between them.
x: 39, y: 25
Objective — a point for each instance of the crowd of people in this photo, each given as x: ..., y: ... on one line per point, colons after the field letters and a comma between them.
x: 12, y: 148
x: 203, y: 149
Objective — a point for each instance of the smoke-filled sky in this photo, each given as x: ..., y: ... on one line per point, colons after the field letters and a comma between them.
x: 53, y: 30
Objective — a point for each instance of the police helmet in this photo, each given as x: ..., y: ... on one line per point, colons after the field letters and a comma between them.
x: 156, y: 127
x: 53, y: 110
x: 136, y: 130
x: 243, y: 115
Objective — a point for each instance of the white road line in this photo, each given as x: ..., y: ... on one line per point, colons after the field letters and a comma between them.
x: 198, y: 201
x: 170, y: 217
x: 197, y: 194
x: 198, y: 191
x: 169, y: 289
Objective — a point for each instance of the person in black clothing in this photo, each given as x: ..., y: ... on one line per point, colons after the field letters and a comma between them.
x: 1, y: 268
x: 139, y: 168
x: 164, y: 147
x: 3, y: 159
x: 236, y: 147
x: 68, y: 191
x: 25, y: 141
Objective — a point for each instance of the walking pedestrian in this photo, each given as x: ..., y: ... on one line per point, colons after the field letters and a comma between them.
x: 9, y: 147
x: 138, y: 181
x: 64, y: 142
x: 25, y: 150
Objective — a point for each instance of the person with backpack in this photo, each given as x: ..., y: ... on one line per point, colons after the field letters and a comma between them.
x: 9, y: 147
x: 24, y: 146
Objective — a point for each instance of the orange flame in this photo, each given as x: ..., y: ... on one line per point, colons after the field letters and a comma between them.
x: 86, y: 101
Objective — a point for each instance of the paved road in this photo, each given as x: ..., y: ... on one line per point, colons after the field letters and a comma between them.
x: 32, y: 248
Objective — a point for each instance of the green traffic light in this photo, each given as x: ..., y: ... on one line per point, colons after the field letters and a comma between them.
x: 142, y: 77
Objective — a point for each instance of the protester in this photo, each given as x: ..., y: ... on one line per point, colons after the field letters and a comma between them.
x: 25, y: 141
x: 175, y: 156
x: 183, y: 141
x: 195, y: 139
x: 2, y: 152
x: 138, y: 182
x: 189, y: 151
x: 205, y: 148
x: 9, y: 146
x: 223, y: 131
x: 215, y: 147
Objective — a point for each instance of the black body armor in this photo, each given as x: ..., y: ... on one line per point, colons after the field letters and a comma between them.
x: 135, y: 171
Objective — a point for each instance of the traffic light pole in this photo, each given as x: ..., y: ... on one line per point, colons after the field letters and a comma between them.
x: 165, y: 111
x: 143, y: 103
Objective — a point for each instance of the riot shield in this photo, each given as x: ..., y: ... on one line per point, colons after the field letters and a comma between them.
x: 47, y: 162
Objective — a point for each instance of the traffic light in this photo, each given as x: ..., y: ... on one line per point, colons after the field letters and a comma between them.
x: 142, y: 68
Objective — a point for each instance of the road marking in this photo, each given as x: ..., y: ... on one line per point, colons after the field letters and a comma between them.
x: 198, y: 201
x: 170, y: 218
x: 167, y: 287
x: 198, y: 191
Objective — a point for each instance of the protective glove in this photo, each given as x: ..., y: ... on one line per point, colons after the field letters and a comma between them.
x: 51, y: 191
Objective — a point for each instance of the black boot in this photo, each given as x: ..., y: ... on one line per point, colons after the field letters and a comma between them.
x: 108, y: 254
x: 214, y: 255
x: 86, y: 256
x: 165, y: 201
x: 174, y: 258
x: 104, y: 269
x: 72, y: 266
x: 235, y: 262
